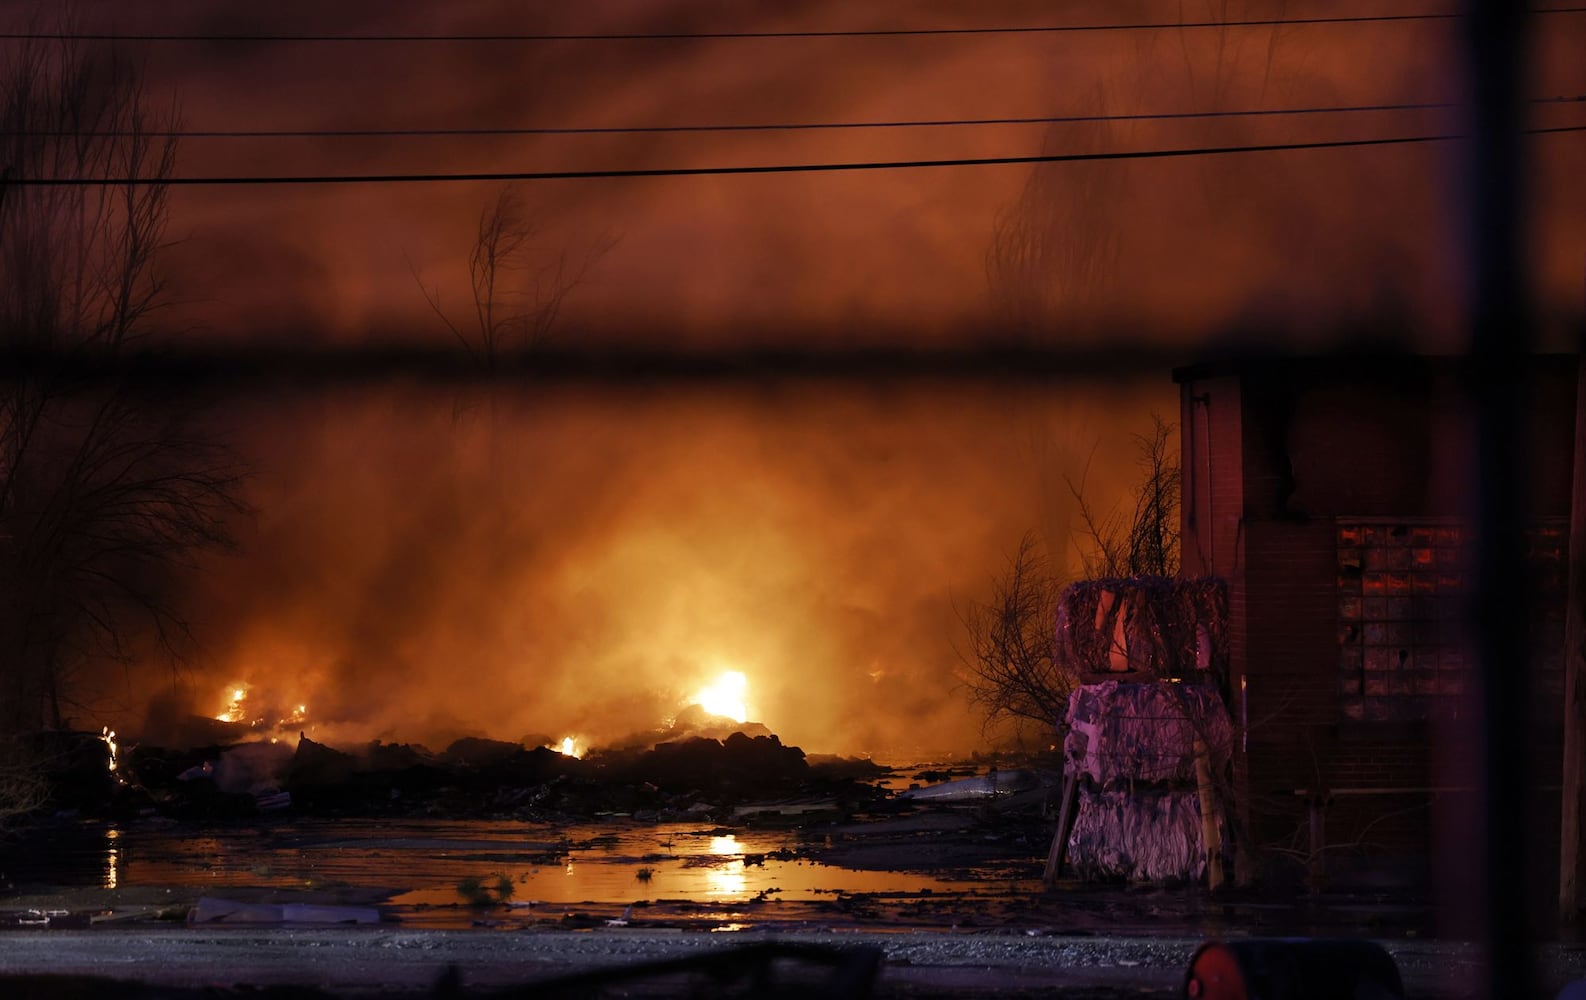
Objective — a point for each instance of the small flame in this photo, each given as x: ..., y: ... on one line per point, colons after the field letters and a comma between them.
x: 109, y: 736
x: 569, y: 747
x: 725, y: 696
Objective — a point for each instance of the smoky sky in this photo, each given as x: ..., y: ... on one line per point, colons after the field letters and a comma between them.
x: 1313, y: 239
x: 425, y: 561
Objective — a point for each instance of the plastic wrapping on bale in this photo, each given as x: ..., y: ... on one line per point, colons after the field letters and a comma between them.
x: 1144, y: 732
x: 1149, y: 836
x: 1153, y: 624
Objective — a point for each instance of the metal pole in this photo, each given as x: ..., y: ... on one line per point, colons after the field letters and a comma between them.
x: 1499, y: 342
x: 1570, y: 812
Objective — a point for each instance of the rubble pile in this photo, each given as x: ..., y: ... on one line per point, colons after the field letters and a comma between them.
x: 472, y: 777
x: 740, y: 764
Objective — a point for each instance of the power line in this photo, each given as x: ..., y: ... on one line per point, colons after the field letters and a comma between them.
x: 776, y: 168
x: 634, y: 360
x: 726, y: 35
x: 750, y: 127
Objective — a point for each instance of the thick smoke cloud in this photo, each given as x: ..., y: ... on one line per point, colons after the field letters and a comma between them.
x: 424, y: 565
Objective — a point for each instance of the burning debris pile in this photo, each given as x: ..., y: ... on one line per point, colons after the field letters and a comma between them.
x: 473, y: 777
x: 257, y: 751
x: 1141, y: 756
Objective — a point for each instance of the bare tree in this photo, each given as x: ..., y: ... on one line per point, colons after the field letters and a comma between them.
x: 104, y: 491
x: 1012, y: 673
x: 22, y: 785
x: 1143, y: 542
x: 1054, y: 250
x: 517, y: 298
x: 1057, y: 256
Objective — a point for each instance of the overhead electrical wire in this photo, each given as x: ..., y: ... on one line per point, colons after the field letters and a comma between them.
x: 747, y: 127
x: 1265, y: 22
x: 777, y: 168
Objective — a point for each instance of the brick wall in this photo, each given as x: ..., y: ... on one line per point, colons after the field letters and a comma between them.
x: 1272, y: 458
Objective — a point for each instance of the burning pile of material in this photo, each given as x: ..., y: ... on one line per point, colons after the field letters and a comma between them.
x: 244, y: 707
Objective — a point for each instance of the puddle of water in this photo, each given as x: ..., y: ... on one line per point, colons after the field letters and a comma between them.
x: 422, y: 862
x: 680, y: 862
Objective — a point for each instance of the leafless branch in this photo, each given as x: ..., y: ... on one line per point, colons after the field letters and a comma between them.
x: 1012, y: 673
x: 104, y: 493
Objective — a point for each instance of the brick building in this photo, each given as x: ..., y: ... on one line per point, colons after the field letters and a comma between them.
x: 1334, y: 497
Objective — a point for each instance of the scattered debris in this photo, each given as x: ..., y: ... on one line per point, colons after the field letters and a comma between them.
x: 480, y: 892
x: 227, y: 911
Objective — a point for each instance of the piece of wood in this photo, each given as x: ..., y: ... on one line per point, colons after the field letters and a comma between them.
x: 1316, y: 866
x: 1569, y: 868
x: 1211, y: 840
x: 1058, y: 853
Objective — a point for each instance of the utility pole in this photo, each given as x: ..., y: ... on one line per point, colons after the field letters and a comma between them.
x: 1500, y: 339
x: 1571, y: 812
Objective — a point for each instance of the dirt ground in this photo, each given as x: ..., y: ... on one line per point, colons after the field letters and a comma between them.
x: 392, y: 961
x: 1073, y: 941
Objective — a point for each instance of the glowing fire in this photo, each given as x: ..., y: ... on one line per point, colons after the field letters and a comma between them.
x: 108, y: 735
x: 725, y: 696
x: 241, y: 707
x: 569, y: 747
x: 233, y: 712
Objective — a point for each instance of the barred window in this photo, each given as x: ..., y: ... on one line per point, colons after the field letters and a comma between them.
x: 1402, y: 634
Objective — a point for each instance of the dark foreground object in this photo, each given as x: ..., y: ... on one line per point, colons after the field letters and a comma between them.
x: 767, y: 969
x: 1295, y: 969
x: 170, y: 962
x: 346, y: 963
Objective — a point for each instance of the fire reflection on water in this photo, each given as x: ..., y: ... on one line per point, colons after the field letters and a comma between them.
x: 726, y: 878
x: 112, y: 878
x: 422, y: 861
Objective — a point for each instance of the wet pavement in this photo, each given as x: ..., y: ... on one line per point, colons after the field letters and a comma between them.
x: 394, y: 962
x: 951, y: 897
x: 422, y: 869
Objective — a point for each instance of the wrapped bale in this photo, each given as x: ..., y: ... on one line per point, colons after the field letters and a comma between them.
x: 1153, y: 624
x: 1119, y: 732
x: 1148, y: 836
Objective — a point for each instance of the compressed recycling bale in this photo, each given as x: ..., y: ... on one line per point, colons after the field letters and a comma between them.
x: 1123, y: 732
x: 1150, y: 836
x: 1160, y: 625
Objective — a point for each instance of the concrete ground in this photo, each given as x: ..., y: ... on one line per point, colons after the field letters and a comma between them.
x: 391, y: 961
